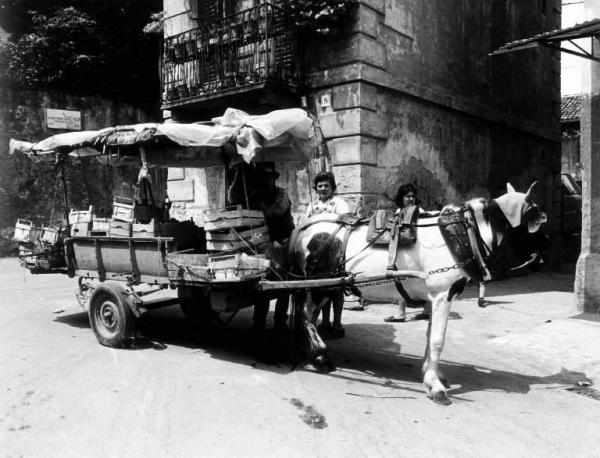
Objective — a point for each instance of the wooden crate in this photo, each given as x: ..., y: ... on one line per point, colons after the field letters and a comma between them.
x: 232, y: 217
x: 119, y: 229
x: 50, y: 235
x: 25, y: 231
x: 81, y: 216
x: 232, y: 212
x: 123, y: 209
x: 144, y: 230
x: 238, y: 266
x: 100, y: 224
x: 227, y: 241
x: 81, y: 229
x: 186, y: 266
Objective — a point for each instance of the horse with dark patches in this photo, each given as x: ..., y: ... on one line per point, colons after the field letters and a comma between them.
x: 325, y: 246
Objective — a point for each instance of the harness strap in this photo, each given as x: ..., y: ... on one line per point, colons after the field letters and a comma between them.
x: 393, y: 247
x: 477, y: 244
x: 402, y: 291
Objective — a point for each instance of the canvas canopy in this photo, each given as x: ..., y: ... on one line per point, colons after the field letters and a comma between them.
x: 234, y: 135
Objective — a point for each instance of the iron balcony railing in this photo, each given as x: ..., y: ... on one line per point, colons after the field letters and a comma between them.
x: 253, y: 46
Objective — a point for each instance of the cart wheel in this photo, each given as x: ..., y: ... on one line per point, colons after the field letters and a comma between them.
x: 111, y: 318
x: 195, y: 306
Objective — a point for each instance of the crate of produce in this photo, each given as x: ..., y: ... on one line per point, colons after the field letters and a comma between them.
x: 238, y: 266
x: 80, y: 229
x: 123, y: 209
x: 119, y: 229
x: 188, y: 266
x: 234, y: 240
x: 25, y: 231
x: 81, y: 216
x: 50, y: 235
x: 145, y: 230
x: 232, y: 217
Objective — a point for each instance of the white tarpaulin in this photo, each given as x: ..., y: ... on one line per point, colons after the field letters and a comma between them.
x: 250, y: 134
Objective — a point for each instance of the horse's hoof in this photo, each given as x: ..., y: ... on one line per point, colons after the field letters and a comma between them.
x: 322, y: 363
x: 481, y: 302
x: 440, y: 397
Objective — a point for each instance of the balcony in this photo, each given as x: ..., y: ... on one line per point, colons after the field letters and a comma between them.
x: 241, y: 53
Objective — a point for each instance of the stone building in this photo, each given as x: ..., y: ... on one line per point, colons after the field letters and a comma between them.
x: 571, y: 132
x: 407, y: 93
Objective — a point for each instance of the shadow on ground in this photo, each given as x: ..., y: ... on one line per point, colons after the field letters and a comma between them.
x: 524, y: 284
x: 367, y: 356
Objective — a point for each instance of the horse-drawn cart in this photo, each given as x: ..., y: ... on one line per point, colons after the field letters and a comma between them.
x: 225, y: 261
x: 219, y: 263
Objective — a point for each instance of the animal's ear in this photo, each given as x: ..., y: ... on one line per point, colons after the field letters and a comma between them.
x: 509, y: 188
x: 529, y: 193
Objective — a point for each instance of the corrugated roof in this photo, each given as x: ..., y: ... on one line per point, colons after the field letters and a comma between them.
x: 553, y: 38
x: 570, y: 108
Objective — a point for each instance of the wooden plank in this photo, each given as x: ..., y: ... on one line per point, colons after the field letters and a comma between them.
x: 234, y: 222
x: 231, y: 236
x: 268, y: 285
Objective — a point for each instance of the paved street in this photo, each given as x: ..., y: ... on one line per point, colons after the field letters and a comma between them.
x: 184, y: 394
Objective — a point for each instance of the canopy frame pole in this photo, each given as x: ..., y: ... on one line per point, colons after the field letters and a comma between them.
x: 61, y: 174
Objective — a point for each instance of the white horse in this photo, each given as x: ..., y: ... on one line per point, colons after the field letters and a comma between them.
x: 321, y: 247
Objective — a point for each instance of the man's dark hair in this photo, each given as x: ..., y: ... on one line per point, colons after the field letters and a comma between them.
x: 403, y: 190
x: 326, y: 176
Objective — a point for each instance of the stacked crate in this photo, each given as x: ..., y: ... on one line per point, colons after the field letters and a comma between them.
x: 230, y: 232
x: 234, y: 229
x: 122, y: 217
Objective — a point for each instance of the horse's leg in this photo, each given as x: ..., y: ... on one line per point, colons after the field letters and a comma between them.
x: 481, y: 299
x: 306, y: 311
x: 337, y: 303
x: 433, y: 379
x: 326, y: 310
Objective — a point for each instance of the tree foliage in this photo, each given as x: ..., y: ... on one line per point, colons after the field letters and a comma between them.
x: 322, y: 17
x: 96, y: 46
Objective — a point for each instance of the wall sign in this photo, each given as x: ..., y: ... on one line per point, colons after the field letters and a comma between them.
x: 325, y: 100
x: 63, y: 119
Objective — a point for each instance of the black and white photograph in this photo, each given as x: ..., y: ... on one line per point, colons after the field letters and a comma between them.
x: 293, y: 228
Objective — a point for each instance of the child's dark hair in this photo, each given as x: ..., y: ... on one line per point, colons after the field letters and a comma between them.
x: 325, y: 176
x: 403, y: 190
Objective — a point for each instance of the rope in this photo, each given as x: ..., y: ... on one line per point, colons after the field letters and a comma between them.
x: 237, y: 169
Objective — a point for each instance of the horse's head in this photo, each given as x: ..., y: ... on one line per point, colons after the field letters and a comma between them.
x: 520, y: 210
x: 524, y: 246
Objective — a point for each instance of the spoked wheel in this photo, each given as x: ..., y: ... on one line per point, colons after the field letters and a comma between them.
x: 195, y: 306
x: 111, y: 318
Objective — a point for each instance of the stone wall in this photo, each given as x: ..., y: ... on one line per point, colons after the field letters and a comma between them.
x: 411, y: 94
x: 23, y: 117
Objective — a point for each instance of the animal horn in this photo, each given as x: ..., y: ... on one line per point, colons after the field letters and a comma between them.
x: 529, y: 192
